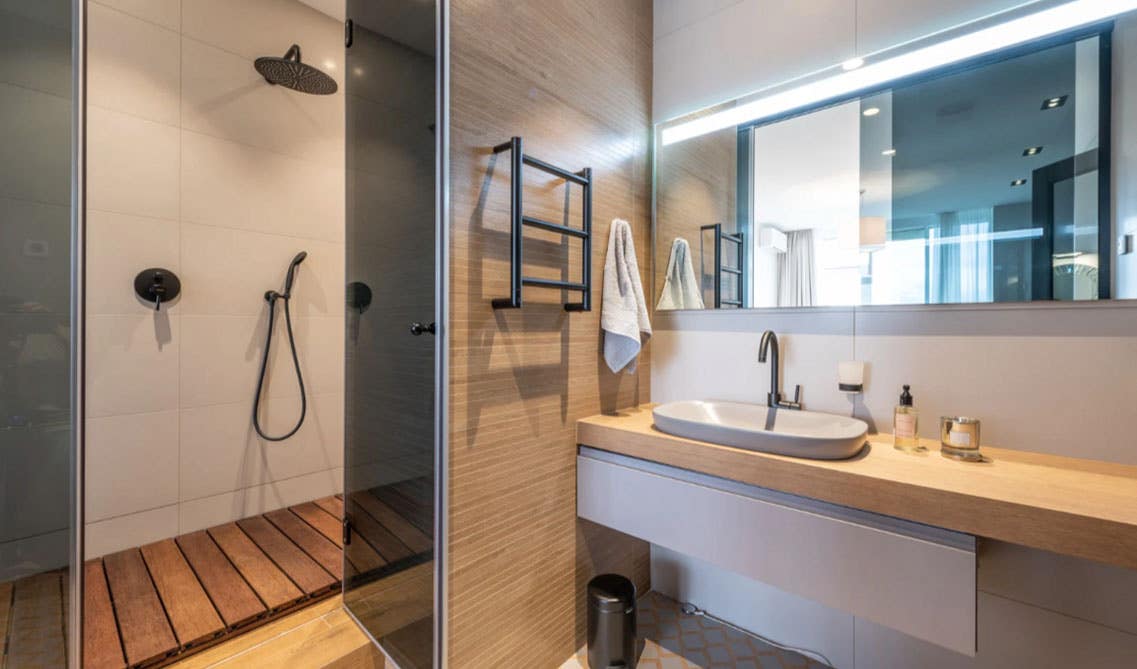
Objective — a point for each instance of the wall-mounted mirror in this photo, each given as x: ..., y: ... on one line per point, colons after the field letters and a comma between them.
x: 987, y: 181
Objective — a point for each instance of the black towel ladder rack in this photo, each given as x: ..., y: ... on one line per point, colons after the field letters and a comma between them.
x: 518, y: 219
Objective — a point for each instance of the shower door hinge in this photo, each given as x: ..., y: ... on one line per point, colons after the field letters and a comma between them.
x: 348, y: 33
x: 346, y: 531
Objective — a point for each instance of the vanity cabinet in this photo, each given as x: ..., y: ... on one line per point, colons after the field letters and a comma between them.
x: 914, y: 578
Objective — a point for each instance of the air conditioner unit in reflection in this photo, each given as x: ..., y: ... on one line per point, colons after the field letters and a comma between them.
x: 771, y: 239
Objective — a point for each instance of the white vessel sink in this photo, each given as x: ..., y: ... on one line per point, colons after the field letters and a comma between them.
x: 802, y: 434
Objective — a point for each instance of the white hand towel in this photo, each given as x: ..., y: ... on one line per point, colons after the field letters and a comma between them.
x: 624, y: 313
x: 680, y: 288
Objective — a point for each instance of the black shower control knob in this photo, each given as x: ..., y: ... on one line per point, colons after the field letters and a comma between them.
x: 418, y: 328
x: 157, y: 285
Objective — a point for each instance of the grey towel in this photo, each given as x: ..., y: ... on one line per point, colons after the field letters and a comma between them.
x: 624, y: 316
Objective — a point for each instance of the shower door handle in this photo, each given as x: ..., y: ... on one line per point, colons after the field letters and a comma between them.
x: 418, y: 328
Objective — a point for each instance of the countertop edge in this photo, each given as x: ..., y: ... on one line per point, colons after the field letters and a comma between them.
x: 1080, y: 535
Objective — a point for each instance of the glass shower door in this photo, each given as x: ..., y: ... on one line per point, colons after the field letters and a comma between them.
x: 37, y: 452
x: 391, y: 273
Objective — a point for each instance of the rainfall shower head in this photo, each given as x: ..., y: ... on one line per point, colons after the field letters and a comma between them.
x: 290, y: 72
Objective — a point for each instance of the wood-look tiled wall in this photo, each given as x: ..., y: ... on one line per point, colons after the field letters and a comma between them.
x: 697, y: 186
x: 573, y: 79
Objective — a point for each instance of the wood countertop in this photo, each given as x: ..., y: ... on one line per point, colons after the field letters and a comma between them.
x: 1083, y: 508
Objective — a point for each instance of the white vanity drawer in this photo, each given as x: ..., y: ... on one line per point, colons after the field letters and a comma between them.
x: 914, y: 578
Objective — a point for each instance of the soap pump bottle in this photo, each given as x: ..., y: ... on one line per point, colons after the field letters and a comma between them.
x: 905, y: 428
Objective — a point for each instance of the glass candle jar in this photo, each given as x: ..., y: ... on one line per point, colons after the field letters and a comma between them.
x: 959, y: 438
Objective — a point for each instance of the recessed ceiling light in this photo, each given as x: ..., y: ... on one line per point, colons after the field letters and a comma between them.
x: 1054, y: 103
x: 852, y: 64
x: 1018, y: 182
x: 871, y: 111
x: 1032, y: 150
x: 888, y: 152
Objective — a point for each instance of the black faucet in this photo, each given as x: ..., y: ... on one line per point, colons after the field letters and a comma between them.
x: 774, y: 397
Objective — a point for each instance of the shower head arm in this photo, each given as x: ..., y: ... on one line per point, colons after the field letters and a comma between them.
x: 293, y: 53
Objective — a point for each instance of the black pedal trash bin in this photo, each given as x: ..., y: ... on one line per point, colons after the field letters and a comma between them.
x: 611, y: 622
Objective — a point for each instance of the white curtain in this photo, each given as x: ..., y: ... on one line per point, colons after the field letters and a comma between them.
x: 797, y: 272
x: 961, y: 257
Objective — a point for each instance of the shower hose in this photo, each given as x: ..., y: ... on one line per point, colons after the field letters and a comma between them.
x: 272, y: 296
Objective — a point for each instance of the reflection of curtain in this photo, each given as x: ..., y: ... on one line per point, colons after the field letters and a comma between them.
x: 797, y: 285
x: 961, y: 257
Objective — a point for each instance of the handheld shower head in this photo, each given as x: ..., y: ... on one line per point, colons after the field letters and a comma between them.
x: 299, y: 258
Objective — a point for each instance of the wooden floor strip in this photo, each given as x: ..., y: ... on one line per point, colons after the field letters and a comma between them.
x: 35, y: 625
x: 410, y: 535
x: 316, y: 545
x: 323, y: 522
x: 409, y: 500
x: 303, y: 570
x: 230, y: 594
x: 6, y: 590
x: 191, y: 614
x: 146, y: 634
x: 333, y: 505
x: 274, y: 588
x: 157, y: 604
x: 380, y: 538
x: 102, y: 648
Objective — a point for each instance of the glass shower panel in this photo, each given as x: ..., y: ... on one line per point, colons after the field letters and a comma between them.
x: 390, y: 377
x: 37, y: 533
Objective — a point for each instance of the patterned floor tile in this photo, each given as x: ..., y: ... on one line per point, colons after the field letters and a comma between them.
x: 674, y: 640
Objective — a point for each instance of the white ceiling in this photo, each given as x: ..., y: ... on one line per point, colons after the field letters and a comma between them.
x: 333, y: 8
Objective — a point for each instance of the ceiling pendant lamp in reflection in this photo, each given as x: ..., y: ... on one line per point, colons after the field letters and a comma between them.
x: 874, y: 233
x: 1014, y: 32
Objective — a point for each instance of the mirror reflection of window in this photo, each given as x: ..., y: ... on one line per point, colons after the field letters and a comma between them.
x: 980, y: 185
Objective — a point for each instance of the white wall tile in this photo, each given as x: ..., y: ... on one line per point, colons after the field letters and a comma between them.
x: 35, y: 554
x: 166, y: 13
x: 132, y: 65
x: 224, y: 96
x: 237, y: 186
x: 227, y: 271
x: 222, y: 453
x: 1081, y: 385
x: 115, y: 534
x: 132, y: 165
x: 118, y: 247
x: 255, y: 28
x: 707, y: 364
x: 35, y: 244
x: 206, y: 512
x: 252, y: 201
x: 132, y: 463
x: 132, y: 363
x: 37, y: 49
x: 221, y: 358
x: 29, y: 128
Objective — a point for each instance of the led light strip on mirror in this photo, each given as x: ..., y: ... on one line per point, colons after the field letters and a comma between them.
x: 1061, y: 18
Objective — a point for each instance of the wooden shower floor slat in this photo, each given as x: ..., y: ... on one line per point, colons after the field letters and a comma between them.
x: 312, y: 542
x: 272, y: 585
x: 145, y: 631
x: 190, y: 612
x: 102, y: 648
x: 407, y: 533
x: 149, y: 606
x: 305, y: 572
x: 234, y: 600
